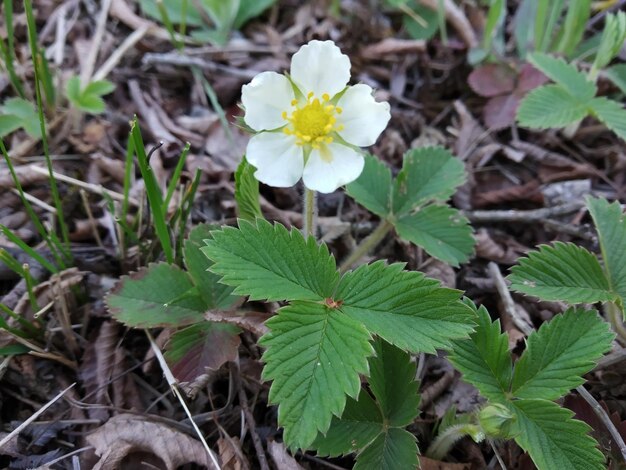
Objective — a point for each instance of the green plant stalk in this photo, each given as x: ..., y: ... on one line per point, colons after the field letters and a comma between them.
x: 32, y: 37
x: 185, y: 210
x: 366, y: 245
x: 46, y: 80
x: 183, y: 18
x: 33, y: 331
x: 8, y: 49
x: 165, y: 18
x: 444, y: 442
x: 153, y: 193
x: 13, y: 264
x: 441, y: 18
x: 309, y: 213
x: 208, y: 89
x: 614, y: 314
x: 176, y: 176
x: 30, y: 283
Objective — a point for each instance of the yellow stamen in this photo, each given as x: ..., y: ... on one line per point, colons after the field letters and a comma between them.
x: 312, y: 122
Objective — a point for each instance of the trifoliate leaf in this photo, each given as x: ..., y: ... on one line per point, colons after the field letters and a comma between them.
x: 484, y: 358
x: 617, y: 74
x: 552, y: 438
x: 314, y: 356
x: 551, y: 106
x: 266, y: 261
x: 404, y: 307
x: 372, y: 189
x: 564, y: 272
x: 429, y: 173
x: 564, y: 74
x: 89, y: 98
x: 394, y: 449
x: 216, y: 295
x: 560, y: 353
x: 159, y: 295
x: 611, y: 113
x: 392, y: 381
x: 611, y: 225
x: 440, y: 230
x: 247, y: 192
x: 359, y: 425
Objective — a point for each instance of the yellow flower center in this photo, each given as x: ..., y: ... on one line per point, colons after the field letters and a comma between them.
x: 313, y: 121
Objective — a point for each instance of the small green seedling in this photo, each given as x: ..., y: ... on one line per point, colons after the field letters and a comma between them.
x: 555, y: 359
x: 573, y: 95
x: 88, y: 99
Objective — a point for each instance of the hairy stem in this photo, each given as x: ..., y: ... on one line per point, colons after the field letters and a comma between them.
x: 614, y: 314
x: 310, y: 213
x: 444, y: 442
x: 366, y: 245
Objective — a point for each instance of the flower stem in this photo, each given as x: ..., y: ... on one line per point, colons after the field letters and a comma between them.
x: 615, y: 319
x: 366, y: 245
x: 310, y: 213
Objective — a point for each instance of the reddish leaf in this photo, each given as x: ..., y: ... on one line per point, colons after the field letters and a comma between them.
x: 492, y: 80
x: 198, y: 349
x: 499, y: 112
x: 529, y: 79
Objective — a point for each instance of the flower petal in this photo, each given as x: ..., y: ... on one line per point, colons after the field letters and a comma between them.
x: 277, y: 158
x: 362, y: 117
x: 331, y: 166
x: 320, y: 67
x: 264, y: 99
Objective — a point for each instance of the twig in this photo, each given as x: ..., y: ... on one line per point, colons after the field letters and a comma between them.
x: 93, y: 188
x: 256, y: 441
x: 171, y: 381
x: 534, y: 215
x: 457, y: 18
x: 117, y: 55
x: 604, y: 417
x: 497, y: 454
x: 174, y: 58
x: 509, y: 306
x: 36, y: 415
x: 90, y: 62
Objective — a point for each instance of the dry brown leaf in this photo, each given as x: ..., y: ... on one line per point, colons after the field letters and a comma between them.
x: 281, y: 457
x: 393, y: 46
x: 231, y: 456
x: 430, y: 464
x: 125, y: 434
x: 97, y: 367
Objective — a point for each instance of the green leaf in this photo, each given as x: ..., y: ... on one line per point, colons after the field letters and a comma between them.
x: 564, y: 272
x: 417, y: 30
x: 19, y: 113
x: 564, y: 74
x: 99, y: 88
x: 617, y: 74
x: 360, y: 423
x: 372, y: 189
x: 314, y: 356
x: 551, y: 106
x: 613, y: 37
x: 91, y: 104
x: 174, y: 9
x: 560, y: 353
x: 249, y: 9
x: 266, y: 261
x: 427, y: 173
x: 440, y: 230
x: 484, y: 358
x: 611, y: 225
x: 392, y: 450
x: 247, y: 192
x: 222, y: 13
x: 404, y: 307
x: 552, y: 438
x: 611, y: 113
x: 159, y: 295
x: 216, y: 295
x: 392, y: 381
x: 72, y: 89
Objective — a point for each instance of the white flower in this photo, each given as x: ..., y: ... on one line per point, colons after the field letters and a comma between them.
x: 310, y: 125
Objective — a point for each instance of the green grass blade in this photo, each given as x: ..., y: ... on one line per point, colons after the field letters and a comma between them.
x: 165, y: 18
x: 8, y: 49
x: 28, y: 250
x: 176, y: 177
x: 155, y: 198
x: 32, y: 39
